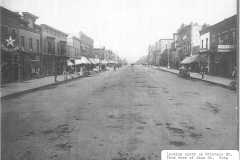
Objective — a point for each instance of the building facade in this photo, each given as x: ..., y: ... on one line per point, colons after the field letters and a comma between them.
x: 29, y: 38
x: 109, y: 55
x: 174, y: 61
x: 99, y: 53
x: 86, y: 45
x: 152, y: 54
x: 163, y: 51
x: 10, y: 46
x: 76, y: 44
x: 188, y: 42
x: 53, y: 49
x: 204, y: 58
x: 221, y: 47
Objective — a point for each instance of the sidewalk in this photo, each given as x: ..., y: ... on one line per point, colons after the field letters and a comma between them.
x: 14, y: 89
x: 207, y: 78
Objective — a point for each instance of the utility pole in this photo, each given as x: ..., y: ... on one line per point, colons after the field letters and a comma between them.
x: 168, y: 56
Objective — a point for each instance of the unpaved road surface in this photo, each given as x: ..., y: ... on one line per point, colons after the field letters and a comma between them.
x: 130, y: 114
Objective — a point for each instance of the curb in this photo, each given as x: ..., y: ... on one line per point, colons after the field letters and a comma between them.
x: 37, y: 89
x: 221, y: 85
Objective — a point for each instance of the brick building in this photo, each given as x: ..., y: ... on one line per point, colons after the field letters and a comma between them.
x: 53, y: 49
x: 29, y: 37
x: 99, y: 53
x: 86, y: 45
x: 188, y: 42
x: 76, y: 44
x: 174, y: 60
x: 218, y: 45
x: 10, y: 54
x: 163, y: 51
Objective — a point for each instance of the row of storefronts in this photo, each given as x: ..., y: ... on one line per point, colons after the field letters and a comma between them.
x: 203, y: 46
x: 30, y: 51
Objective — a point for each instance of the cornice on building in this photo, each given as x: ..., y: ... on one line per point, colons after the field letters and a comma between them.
x: 83, y: 34
x: 29, y: 14
x: 225, y: 21
x: 2, y: 9
x: 164, y: 39
x: 51, y: 28
x: 30, y: 29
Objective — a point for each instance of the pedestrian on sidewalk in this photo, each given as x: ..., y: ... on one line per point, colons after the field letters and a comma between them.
x: 234, y: 74
x: 202, y: 71
x: 114, y: 68
x: 55, y: 73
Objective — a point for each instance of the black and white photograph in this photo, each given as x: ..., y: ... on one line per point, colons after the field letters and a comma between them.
x: 119, y: 79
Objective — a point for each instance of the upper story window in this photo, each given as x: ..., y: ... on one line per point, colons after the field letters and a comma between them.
x: 14, y: 34
x: 226, y: 38
x: 54, y: 47
x: 233, y: 38
x: 213, y: 43
x: 202, y: 43
x: 37, y: 42
x: 219, y: 40
x: 49, y: 47
x: 45, y: 45
x: 206, y: 43
x: 58, y: 48
x: 4, y: 32
x: 22, y: 42
x: 30, y: 45
x: 63, y: 49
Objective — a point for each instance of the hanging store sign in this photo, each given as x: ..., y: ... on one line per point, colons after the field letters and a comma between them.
x: 226, y: 48
x: 10, y: 47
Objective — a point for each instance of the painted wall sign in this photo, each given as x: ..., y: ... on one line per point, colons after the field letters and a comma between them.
x: 226, y: 48
x: 10, y: 46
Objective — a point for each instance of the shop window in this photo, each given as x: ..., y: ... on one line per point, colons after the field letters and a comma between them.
x: 30, y: 45
x: 14, y: 34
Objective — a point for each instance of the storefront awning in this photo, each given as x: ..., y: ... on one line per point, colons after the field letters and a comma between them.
x: 69, y: 63
x: 93, y: 60
x: 104, y: 61
x: 190, y: 59
x: 111, y: 62
x: 83, y: 60
x: 97, y: 61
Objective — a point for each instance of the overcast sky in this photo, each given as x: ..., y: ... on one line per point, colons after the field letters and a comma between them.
x: 126, y: 27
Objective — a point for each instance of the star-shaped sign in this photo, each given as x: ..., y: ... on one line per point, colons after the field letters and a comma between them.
x: 10, y: 41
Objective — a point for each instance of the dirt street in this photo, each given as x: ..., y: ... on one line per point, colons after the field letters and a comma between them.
x: 130, y: 114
